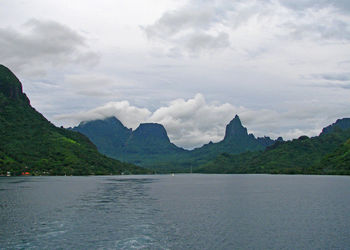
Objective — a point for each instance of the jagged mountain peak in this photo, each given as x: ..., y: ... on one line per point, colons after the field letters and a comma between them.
x: 112, y: 119
x: 235, y: 129
x: 109, y: 119
x: 154, y: 130
x: 111, y: 122
x: 280, y: 138
x: 343, y: 123
x: 10, y: 86
x: 151, y: 125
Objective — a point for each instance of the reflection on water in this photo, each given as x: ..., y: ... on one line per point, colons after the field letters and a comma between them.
x: 180, y: 212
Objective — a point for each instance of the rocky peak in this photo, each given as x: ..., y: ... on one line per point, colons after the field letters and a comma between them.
x: 10, y: 86
x: 151, y: 130
x: 113, y: 121
x: 280, y: 138
x: 109, y: 121
x: 110, y: 129
x: 235, y: 129
x: 340, y: 124
x: 265, y: 141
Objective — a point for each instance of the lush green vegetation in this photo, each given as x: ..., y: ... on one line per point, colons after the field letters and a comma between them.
x: 30, y: 143
x: 337, y: 162
x: 324, y: 154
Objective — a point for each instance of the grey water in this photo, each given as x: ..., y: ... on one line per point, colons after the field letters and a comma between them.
x: 186, y: 211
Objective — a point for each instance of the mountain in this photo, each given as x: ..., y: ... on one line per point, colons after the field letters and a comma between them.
x: 324, y: 154
x: 339, y: 124
x: 235, y: 130
x: 236, y: 140
x: 30, y: 143
x: 149, y: 144
x: 109, y: 135
x: 151, y: 139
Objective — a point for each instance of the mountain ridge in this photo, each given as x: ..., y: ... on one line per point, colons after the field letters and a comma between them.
x: 13, y: 87
x: 151, y: 140
x: 343, y: 123
x: 117, y: 141
x: 324, y: 154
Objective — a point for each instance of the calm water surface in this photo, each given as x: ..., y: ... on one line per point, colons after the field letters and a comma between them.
x: 175, y: 212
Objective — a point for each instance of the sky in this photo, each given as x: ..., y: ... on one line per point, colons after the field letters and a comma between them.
x: 282, y: 65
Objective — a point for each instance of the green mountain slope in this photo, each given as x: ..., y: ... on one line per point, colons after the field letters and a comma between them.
x: 304, y: 155
x: 338, y: 162
x: 30, y: 143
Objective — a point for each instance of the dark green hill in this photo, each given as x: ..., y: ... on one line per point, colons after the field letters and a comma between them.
x: 30, y: 143
x: 300, y: 156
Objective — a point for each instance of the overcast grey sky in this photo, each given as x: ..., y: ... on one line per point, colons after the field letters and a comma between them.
x: 282, y: 65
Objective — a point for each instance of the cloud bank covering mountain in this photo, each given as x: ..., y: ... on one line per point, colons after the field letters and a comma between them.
x: 279, y: 64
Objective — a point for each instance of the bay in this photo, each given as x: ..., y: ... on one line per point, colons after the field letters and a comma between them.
x: 185, y: 211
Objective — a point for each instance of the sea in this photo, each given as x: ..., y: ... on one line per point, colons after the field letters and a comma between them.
x: 184, y: 211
